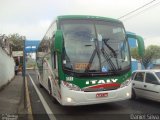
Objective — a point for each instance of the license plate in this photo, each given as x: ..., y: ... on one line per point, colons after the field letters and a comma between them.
x: 99, y: 95
x: 81, y: 66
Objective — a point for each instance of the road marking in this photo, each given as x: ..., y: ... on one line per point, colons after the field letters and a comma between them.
x: 45, y: 105
x: 28, y: 105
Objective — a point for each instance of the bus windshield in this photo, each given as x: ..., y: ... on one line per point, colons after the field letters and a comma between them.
x: 94, y: 46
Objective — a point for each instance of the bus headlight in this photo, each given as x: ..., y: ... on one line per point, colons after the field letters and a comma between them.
x: 126, y: 83
x: 71, y: 86
x: 69, y: 99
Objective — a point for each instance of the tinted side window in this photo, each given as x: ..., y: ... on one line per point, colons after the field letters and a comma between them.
x: 139, y: 76
x: 150, y: 78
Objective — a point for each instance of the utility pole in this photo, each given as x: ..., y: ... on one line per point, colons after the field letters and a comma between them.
x: 24, y: 72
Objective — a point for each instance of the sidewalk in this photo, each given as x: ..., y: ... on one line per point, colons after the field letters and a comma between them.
x: 11, y: 96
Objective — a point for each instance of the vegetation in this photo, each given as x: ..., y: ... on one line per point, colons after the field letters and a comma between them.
x: 151, y: 52
x: 30, y: 63
x: 17, y: 41
x: 134, y: 54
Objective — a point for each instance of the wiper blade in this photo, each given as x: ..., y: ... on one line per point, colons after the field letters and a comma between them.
x: 112, y: 50
x: 96, y: 50
x: 91, y: 60
x: 108, y: 59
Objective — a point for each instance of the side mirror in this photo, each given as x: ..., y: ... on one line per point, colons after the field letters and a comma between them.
x: 58, y: 42
x: 140, y: 41
x: 40, y: 63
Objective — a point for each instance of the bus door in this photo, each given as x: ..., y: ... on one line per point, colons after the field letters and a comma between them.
x: 46, y: 70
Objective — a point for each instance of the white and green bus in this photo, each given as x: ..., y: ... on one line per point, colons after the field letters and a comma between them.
x: 86, y: 60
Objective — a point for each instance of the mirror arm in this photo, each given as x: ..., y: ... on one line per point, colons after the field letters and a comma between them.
x: 140, y: 41
x: 58, y: 42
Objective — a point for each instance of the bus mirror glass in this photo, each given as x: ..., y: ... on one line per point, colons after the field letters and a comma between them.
x: 40, y: 64
x: 58, y: 42
x: 140, y: 42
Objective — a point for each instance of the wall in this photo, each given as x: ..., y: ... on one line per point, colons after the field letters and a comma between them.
x: 6, y: 68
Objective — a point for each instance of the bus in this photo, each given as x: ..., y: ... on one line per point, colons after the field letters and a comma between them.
x: 85, y: 60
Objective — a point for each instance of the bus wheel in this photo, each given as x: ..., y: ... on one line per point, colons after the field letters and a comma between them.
x: 50, y: 93
x: 49, y: 88
x: 54, y: 100
x: 16, y: 72
x: 40, y: 85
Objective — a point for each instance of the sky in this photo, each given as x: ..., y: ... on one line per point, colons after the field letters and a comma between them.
x: 32, y: 18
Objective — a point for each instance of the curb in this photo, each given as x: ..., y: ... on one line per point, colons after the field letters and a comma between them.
x: 28, y: 102
x: 9, y: 81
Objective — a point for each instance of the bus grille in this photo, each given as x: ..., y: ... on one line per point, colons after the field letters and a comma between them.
x: 100, y: 89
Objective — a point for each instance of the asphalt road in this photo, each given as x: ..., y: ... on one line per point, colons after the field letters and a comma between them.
x: 140, y: 109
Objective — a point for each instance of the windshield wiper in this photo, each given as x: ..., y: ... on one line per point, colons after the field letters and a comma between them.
x: 107, y: 57
x: 110, y: 48
x: 90, y: 60
x: 96, y: 50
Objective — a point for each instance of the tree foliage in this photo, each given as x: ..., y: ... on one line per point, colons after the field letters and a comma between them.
x: 154, y: 50
x: 134, y: 54
x: 151, y: 52
x: 17, y: 41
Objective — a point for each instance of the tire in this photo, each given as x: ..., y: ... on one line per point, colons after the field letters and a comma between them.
x: 133, y: 96
x: 49, y: 88
x: 40, y: 85
x: 54, y: 100
x: 16, y: 72
x: 50, y: 93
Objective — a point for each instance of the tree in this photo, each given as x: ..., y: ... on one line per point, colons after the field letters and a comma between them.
x: 134, y: 54
x: 151, y: 52
x: 17, y: 41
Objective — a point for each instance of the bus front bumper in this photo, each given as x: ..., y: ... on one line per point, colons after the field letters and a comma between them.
x: 75, y: 98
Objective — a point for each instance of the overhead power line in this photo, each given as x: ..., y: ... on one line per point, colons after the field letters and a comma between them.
x: 155, y: 5
x: 137, y: 9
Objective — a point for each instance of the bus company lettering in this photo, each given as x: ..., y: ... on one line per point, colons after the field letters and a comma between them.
x: 101, y: 81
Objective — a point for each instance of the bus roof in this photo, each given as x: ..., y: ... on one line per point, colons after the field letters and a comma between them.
x: 63, y: 17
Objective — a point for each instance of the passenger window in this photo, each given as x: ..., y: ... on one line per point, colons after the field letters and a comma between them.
x: 150, y: 78
x: 53, y: 54
x: 139, y: 76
